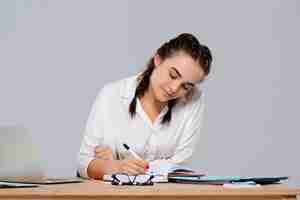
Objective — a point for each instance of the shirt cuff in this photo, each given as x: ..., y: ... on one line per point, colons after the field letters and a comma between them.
x: 83, y: 166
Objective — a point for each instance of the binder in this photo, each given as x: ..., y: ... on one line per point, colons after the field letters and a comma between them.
x: 220, y: 180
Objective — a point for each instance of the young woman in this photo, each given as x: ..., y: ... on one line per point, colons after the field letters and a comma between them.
x: 157, y: 113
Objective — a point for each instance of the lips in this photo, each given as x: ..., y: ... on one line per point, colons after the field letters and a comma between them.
x: 167, y: 94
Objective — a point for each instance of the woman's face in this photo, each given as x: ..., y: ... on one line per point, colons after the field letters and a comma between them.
x: 174, y: 77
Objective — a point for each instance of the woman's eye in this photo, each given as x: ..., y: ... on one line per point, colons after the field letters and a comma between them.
x: 172, y: 76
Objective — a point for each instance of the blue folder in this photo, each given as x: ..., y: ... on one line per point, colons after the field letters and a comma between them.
x: 220, y: 180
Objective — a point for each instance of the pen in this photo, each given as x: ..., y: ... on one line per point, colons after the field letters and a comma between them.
x: 133, y: 154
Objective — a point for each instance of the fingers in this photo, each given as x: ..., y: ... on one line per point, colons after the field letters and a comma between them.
x: 129, y: 166
x: 142, y: 164
x: 104, y: 153
x: 133, y: 167
x: 101, y: 149
x: 138, y: 167
x: 132, y: 170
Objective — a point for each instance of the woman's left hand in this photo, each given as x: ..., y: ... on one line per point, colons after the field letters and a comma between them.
x: 104, y: 153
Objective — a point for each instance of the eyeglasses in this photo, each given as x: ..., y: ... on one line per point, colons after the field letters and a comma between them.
x: 125, y: 179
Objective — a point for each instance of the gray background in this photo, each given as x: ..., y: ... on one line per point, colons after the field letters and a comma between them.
x: 56, y: 55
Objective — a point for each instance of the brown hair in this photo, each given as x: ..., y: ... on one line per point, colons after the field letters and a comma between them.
x: 185, y: 42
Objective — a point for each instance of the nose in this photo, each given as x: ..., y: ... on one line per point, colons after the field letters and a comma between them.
x: 174, y: 87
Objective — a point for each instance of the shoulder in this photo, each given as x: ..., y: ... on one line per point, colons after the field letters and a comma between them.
x: 194, y: 106
x: 117, y: 89
x: 197, y: 100
x: 197, y: 103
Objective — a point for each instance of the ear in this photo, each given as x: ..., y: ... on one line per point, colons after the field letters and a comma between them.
x: 157, y: 60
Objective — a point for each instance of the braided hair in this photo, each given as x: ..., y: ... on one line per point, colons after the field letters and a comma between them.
x: 185, y: 42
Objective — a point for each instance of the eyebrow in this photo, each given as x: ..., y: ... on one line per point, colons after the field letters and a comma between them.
x: 177, y: 72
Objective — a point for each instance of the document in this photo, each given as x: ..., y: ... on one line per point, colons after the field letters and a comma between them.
x: 163, y: 170
x: 164, y: 167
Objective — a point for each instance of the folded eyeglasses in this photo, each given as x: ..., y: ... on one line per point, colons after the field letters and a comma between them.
x: 125, y: 179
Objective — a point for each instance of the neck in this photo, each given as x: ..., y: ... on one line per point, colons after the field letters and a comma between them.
x: 148, y: 99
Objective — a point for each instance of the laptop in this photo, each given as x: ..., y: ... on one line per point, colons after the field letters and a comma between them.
x: 20, y: 160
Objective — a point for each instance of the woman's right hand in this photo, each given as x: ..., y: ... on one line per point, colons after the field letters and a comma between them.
x: 133, y: 166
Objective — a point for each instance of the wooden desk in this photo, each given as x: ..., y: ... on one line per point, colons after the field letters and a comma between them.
x: 101, y: 190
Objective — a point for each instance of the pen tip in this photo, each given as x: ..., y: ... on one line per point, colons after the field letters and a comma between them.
x: 126, y: 146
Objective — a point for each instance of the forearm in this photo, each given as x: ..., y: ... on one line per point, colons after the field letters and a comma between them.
x: 98, y: 167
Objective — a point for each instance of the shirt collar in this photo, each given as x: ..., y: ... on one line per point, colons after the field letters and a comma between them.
x: 128, y: 90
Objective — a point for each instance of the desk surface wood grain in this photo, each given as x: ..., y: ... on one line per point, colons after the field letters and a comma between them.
x: 102, y: 190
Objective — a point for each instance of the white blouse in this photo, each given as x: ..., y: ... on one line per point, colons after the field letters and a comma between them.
x: 110, y: 125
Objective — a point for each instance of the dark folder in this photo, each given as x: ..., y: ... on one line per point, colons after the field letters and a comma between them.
x: 219, y: 180
x: 16, y: 185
